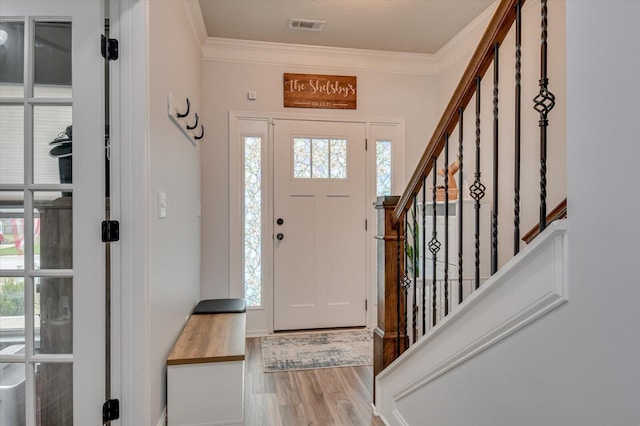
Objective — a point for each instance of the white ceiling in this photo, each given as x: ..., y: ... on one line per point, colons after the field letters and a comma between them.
x: 418, y: 26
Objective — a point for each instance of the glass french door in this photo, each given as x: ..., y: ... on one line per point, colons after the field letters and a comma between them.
x: 52, y: 263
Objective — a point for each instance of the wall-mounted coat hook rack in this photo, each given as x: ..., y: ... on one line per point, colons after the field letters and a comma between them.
x: 179, y: 115
x: 201, y: 133
x: 194, y: 124
x: 179, y: 119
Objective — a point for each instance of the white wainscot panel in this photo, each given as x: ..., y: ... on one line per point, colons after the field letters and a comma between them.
x: 526, y: 288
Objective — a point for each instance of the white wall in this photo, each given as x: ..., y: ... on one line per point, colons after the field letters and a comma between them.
x: 420, y: 98
x: 175, y: 66
x: 225, y: 88
x: 578, y: 365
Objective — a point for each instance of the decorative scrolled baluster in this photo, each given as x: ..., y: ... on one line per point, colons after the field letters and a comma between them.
x: 434, y: 248
x: 543, y: 104
x: 459, y: 210
x: 494, y: 212
x: 423, y: 271
x: 516, y: 179
x: 414, y: 266
x: 446, y: 224
x: 406, y: 281
x: 398, y: 291
x: 477, y: 189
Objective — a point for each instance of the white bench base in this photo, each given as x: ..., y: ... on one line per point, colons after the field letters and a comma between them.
x: 207, y: 394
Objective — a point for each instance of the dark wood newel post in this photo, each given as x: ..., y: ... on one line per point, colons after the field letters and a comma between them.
x: 389, y: 340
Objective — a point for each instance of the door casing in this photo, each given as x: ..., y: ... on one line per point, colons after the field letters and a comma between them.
x: 260, y: 319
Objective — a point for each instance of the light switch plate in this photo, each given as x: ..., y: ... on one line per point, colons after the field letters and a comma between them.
x: 162, y: 205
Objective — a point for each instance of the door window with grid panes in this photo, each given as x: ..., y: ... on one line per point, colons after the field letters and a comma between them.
x: 50, y: 271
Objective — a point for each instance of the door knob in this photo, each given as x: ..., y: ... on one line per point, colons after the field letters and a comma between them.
x: 280, y: 221
x: 280, y: 236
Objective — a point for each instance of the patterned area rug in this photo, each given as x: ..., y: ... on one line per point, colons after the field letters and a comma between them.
x: 305, y: 351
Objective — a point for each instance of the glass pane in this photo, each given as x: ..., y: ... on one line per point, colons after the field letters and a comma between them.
x: 320, y: 158
x: 11, y: 143
x: 52, y: 59
x: 301, y: 158
x: 12, y: 308
x: 338, y: 159
x: 54, y: 394
x: 11, y: 230
x: 53, y: 300
x: 52, y: 140
x: 383, y: 168
x: 12, y: 59
x: 53, y: 230
x: 12, y: 378
x: 252, y: 221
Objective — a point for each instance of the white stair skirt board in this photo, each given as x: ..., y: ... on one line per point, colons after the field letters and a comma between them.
x: 530, y: 285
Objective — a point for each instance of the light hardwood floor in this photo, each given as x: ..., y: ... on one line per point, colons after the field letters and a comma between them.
x: 330, y: 396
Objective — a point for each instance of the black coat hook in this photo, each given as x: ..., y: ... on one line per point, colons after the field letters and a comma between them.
x: 195, y: 124
x: 188, y: 109
x: 201, y: 133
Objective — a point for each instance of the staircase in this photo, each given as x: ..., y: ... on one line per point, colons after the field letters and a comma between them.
x: 457, y: 273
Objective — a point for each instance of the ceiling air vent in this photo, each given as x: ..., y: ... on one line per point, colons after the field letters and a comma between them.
x: 306, y: 24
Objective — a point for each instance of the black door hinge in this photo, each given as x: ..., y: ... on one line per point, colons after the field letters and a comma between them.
x: 110, y: 231
x: 110, y: 410
x: 109, y: 48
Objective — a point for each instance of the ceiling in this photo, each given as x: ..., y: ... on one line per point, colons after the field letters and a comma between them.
x: 417, y: 26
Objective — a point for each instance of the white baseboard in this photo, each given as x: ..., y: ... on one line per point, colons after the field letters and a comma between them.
x: 163, y: 418
x: 257, y: 333
x: 378, y: 415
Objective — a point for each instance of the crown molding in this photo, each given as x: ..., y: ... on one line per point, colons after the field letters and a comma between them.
x: 465, y: 42
x: 306, y: 56
x: 194, y: 14
x: 338, y: 58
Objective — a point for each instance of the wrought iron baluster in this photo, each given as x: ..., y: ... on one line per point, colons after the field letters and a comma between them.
x: 494, y: 213
x: 459, y: 209
x: 434, y: 246
x: 398, y: 307
x: 446, y: 224
x: 424, y: 255
x: 543, y: 103
x: 414, y: 227
x: 406, y: 281
x: 477, y: 190
x: 516, y: 183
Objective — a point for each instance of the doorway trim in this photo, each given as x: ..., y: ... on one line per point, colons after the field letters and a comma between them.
x: 260, y: 319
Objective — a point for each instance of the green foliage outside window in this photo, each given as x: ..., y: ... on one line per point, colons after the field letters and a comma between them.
x: 11, y: 297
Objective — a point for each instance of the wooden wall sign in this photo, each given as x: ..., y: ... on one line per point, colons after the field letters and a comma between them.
x: 320, y: 91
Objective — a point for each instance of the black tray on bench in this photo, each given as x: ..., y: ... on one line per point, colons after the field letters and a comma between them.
x: 220, y: 306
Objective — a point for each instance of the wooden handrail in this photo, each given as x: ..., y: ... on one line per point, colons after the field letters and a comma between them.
x: 495, y: 33
x: 559, y: 212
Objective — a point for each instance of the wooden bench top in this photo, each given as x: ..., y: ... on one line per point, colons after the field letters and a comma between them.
x: 210, y: 338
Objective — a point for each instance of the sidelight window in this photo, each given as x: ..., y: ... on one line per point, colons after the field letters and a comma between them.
x: 253, y: 220
x: 383, y: 167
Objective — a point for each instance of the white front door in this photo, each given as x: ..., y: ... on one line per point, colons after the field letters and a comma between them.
x: 319, y: 229
x: 52, y: 260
